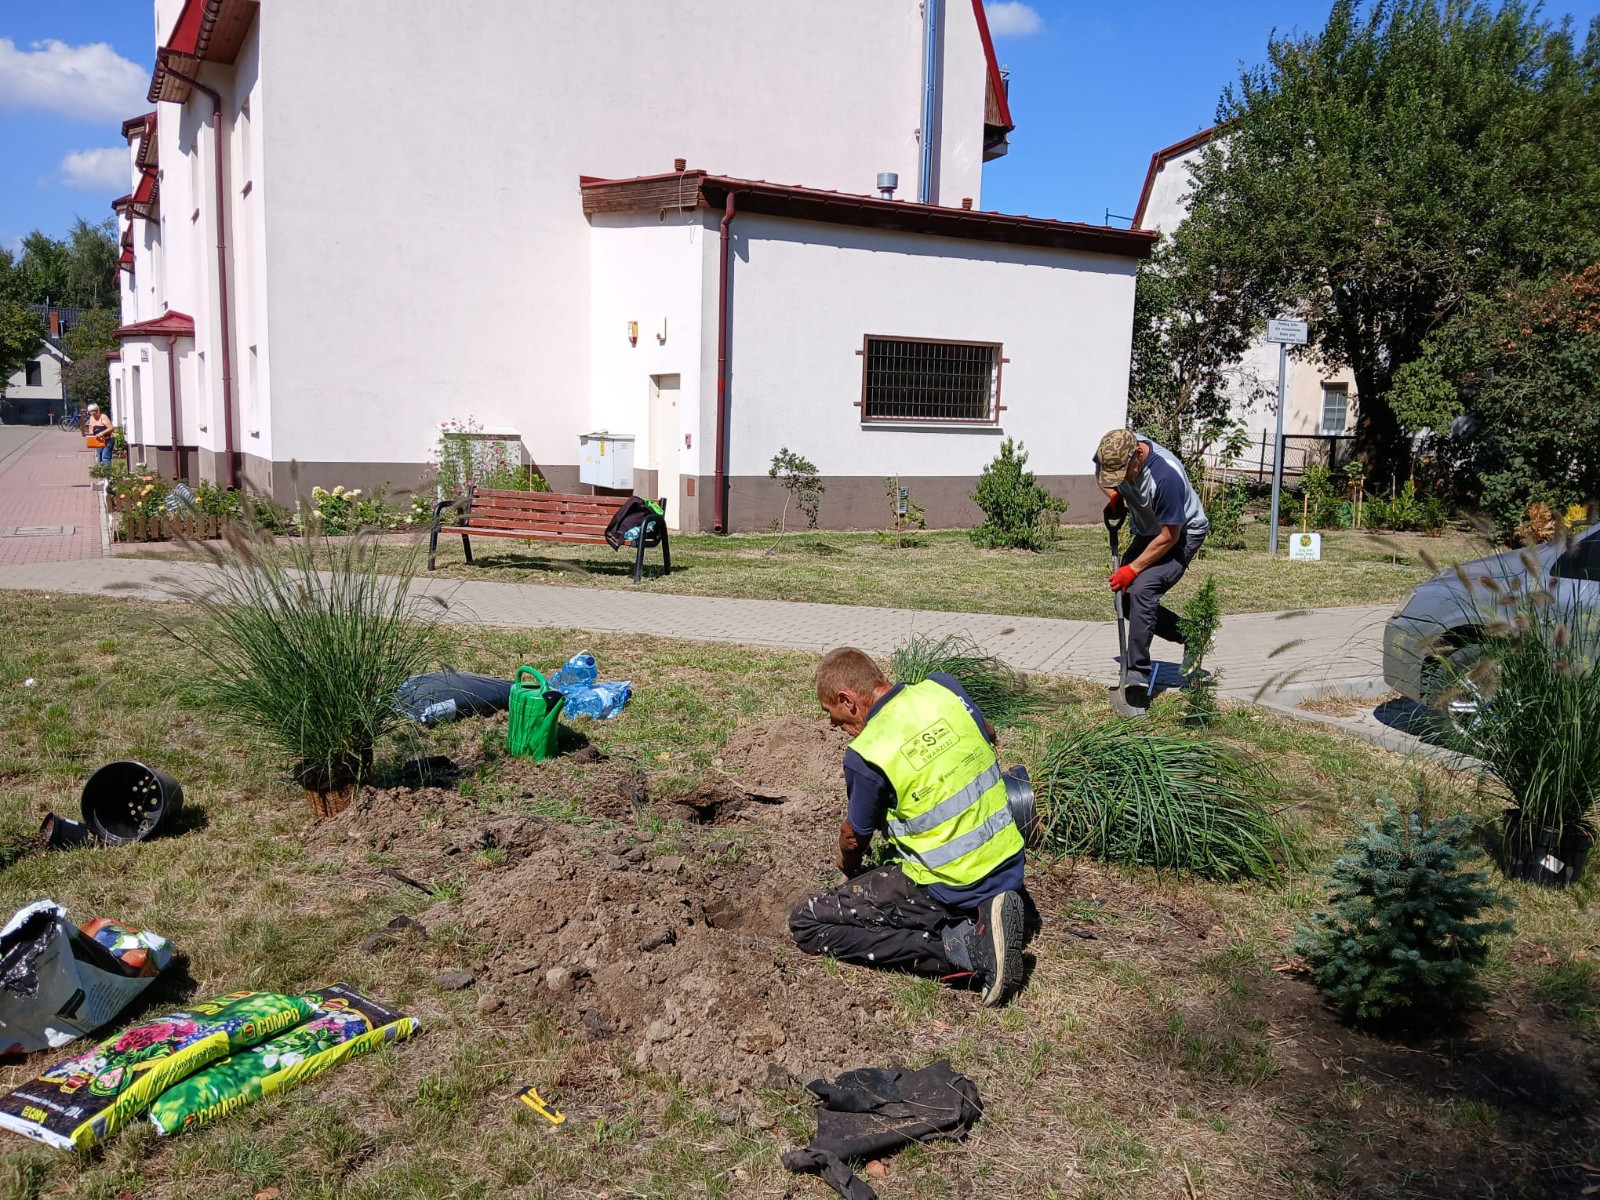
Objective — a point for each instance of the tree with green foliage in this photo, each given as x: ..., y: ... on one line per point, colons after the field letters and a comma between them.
x: 1193, y: 321
x: 21, y: 335
x: 802, y: 487
x: 1018, y: 513
x: 85, y: 379
x: 1202, y: 617
x: 76, y: 272
x: 1405, y: 929
x: 1376, y: 176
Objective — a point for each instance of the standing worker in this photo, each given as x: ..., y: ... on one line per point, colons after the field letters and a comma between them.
x: 99, y: 428
x: 1148, y: 482
x: 921, y: 767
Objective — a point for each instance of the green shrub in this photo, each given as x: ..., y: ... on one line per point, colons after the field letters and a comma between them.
x: 305, y: 646
x: 1158, y: 800
x: 994, y: 687
x: 1017, y: 512
x: 802, y: 487
x: 1202, y: 617
x: 1324, y: 506
x: 464, y: 455
x: 1401, y: 934
x: 1226, y: 513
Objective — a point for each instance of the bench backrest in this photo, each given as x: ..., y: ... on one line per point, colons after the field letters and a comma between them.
x: 559, y: 513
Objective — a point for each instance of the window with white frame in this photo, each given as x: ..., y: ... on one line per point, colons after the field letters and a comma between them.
x: 922, y: 380
x: 1335, y: 407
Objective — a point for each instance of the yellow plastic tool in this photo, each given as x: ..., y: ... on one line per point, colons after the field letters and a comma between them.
x: 530, y: 1096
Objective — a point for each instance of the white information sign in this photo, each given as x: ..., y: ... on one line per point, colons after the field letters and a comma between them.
x: 1291, y: 333
x: 1305, y: 547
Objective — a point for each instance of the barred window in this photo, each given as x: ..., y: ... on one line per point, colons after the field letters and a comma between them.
x: 912, y: 379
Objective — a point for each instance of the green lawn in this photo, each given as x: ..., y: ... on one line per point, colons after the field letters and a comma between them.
x: 1159, y: 1049
x: 945, y: 571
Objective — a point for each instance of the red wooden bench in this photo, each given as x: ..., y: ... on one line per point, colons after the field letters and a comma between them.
x: 542, y: 517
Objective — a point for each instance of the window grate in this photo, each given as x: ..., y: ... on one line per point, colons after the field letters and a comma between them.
x: 909, y: 379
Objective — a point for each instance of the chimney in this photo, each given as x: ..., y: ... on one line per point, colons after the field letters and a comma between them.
x: 966, y: 202
x: 680, y: 164
x: 887, y: 182
x: 55, y: 324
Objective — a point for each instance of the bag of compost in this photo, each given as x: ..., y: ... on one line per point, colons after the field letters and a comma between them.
x: 345, y: 1024
x: 81, y: 1102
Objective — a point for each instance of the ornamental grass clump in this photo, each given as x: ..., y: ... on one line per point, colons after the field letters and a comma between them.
x: 305, y: 644
x: 998, y: 691
x: 1407, y: 924
x: 1159, y: 800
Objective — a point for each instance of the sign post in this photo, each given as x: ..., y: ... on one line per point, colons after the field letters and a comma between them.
x: 1286, y: 332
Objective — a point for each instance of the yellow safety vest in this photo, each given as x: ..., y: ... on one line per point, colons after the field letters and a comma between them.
x: 950, y: 820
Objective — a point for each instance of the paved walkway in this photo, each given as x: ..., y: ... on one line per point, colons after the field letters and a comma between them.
x: 45, y: 492
x: 1276, y: 654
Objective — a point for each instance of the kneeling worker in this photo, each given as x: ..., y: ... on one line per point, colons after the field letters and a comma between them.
x: 921, y: 767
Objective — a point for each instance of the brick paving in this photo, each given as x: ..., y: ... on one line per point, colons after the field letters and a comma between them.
x: 44, y: 483
x: 1275, y: 654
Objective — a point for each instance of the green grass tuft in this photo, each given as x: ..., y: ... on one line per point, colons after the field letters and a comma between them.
x: 995, y: 688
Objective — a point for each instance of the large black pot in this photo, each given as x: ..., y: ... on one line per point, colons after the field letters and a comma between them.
x: 129, y: 802
x: 1548, y: 857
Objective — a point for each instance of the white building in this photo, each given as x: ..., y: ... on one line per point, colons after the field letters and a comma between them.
x: 1317, y: 400
x: 519, y: 217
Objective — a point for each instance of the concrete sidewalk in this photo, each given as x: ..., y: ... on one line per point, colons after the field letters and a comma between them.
x: 1286, y: 655
x: 49, y: 509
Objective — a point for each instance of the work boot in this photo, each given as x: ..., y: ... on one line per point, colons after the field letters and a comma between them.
x: 994, y: 945
x: 1132, y: 702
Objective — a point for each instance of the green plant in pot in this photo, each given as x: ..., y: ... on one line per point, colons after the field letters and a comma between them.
x: 305, y: 644
x: 1526, y: 702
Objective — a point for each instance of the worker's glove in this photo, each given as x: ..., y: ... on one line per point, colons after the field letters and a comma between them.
x: 1115, y: 508
x: 1123, y: 576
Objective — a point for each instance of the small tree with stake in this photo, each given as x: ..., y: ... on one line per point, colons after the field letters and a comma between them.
x: 802, y: 487
x: 1202, y: 617
x: 1402, y: 936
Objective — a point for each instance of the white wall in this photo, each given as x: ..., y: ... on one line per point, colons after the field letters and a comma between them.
x: 426, y: 255
x: 804, y: 295
x: 16, y: 388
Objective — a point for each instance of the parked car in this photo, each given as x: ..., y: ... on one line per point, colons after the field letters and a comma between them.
x: 1437, y: 633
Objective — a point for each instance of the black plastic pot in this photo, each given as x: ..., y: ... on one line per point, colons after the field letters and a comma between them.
x: 129, y: 802
x: 1020, y: 799
x: 1552, y: 858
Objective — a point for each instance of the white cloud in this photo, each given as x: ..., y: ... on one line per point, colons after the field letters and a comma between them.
x: 93, y: 82
x: 97, y: 170
x: 1012, y: 18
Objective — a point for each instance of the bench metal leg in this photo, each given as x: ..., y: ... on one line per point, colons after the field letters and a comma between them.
x: 466, y: 548
x: 666, y: 552
x: 433, y: 544
x: 638, y: 557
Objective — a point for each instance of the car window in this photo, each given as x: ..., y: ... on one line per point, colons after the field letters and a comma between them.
x: 1581, y: 561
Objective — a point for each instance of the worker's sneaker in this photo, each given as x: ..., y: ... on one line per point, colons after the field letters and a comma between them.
x: 995, y: 946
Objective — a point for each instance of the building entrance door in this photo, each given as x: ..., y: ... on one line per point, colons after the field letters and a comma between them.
x: 666, y: 435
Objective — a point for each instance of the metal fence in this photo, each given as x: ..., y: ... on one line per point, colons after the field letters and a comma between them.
x: 1300, y: 450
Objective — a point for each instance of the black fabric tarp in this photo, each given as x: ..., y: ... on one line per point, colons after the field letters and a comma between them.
x: 865, y: 1114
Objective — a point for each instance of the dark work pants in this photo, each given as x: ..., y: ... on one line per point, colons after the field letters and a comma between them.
x: 1141, y: 602
x: 879, y: 919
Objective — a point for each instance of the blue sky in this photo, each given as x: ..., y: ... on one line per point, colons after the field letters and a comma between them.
x: 1095, y: 89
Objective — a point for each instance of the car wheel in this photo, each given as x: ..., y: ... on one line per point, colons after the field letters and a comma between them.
x: 1448, y: 687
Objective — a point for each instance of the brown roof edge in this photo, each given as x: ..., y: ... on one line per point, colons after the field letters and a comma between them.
x: 137, y: 124
x: 168, y: 324
x: 1162, y: 157
x: 691, y: 189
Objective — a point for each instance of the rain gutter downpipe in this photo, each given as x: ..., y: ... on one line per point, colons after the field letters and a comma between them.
x: 226, y: 327
x: 719, y: 519
x: 930, y: 97
x: 172, y: 397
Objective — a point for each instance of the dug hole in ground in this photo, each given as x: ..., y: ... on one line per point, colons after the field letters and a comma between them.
x: 676, y: 943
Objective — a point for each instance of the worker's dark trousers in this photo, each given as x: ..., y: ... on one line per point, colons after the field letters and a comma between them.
x: 1141, y: 602
x: 879, y: 919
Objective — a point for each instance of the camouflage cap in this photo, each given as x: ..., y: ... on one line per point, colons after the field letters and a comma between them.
x: 1116, y: 449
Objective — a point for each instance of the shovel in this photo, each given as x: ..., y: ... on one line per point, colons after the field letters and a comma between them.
x: 1114, y: 533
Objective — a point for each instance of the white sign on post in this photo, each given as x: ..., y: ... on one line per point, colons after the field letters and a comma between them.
x: 1290, y: 333
x: 1305, y: 547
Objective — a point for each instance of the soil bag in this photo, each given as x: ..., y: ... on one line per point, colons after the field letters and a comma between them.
x: 535, y: 717
x: 444, y: 696
x: 344, y: 1024
x: 59, y: 982
x: 869, y: 1112
x: 81, y: 1102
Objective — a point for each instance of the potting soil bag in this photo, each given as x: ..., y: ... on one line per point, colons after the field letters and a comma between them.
x: 444, y: 696
x: 59, y: 983
x: 344, y: 1024
x: 81, y: 1102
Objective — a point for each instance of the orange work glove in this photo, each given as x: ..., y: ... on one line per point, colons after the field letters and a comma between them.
x: 1123, y: 576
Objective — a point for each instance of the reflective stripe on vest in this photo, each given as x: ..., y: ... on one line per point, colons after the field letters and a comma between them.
x: 950, y: 820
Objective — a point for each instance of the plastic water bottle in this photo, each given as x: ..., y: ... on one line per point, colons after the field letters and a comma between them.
x: 601, y: 701
x: 579, y: 671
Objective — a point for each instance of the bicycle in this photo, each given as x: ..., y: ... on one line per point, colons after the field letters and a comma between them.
x: 72, y: 420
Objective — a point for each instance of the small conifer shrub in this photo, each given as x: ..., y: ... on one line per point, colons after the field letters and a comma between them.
x: 1018, y: 513
x: 1407, y: 925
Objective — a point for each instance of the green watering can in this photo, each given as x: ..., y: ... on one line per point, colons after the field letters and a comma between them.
x: 535, y: 716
